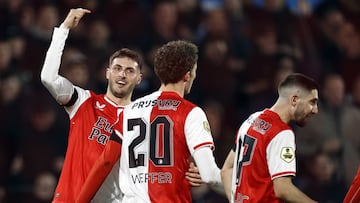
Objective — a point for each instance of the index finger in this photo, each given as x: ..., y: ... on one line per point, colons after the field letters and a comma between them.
x: 84, y: 10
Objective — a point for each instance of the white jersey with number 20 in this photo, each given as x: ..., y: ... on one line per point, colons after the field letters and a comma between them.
x: 160, y: 133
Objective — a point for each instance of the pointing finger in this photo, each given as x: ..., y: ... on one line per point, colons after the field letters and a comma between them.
x: 84, y: 10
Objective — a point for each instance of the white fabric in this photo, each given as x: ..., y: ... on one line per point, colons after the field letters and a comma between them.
x: 205, y: 162
x: 59, y: 87
x: 109, y: 191
x: 277, y: 165
x: 136, y: 182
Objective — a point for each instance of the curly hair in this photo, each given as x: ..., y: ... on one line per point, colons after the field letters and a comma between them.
x: 174, y: 59
x: 125, y: 52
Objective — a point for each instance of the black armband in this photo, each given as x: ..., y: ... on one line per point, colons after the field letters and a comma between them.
x: 73, y: 99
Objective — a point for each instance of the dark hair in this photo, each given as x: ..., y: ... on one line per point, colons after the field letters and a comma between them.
x: 174, y: 59
x: 125, y: 52
x: 298, y: 79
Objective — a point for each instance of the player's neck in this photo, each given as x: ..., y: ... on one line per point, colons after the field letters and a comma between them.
x: 178, y: 88
x: 282, y: 111
x: 121, y: 101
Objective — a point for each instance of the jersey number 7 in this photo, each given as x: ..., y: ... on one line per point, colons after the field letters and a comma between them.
x: 247, y: 147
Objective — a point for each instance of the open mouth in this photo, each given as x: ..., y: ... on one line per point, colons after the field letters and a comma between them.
x: 121, y: 83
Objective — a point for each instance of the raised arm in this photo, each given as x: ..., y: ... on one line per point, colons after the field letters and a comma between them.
x: 59, y: 87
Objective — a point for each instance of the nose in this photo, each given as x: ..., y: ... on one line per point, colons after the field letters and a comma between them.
x: 315, y: 109
x: 122, y: 73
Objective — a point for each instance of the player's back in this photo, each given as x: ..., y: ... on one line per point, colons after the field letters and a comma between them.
x: 155, y: 149
x: 254, y: 174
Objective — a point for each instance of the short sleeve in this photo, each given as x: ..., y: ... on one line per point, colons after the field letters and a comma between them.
x: 280, y: 154
x: 197, y: 130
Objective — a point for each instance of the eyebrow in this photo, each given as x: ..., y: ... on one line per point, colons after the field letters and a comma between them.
x: 314, y: 100
x: 119, y: 65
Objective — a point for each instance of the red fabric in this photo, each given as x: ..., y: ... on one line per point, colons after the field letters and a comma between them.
x: 160, y: 190
x: 259, y: 188
x: 353, y: 194
x: 90, y: 129
x: 99, y: 171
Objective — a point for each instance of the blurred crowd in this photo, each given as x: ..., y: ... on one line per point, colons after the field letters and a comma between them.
x: 246, y: 48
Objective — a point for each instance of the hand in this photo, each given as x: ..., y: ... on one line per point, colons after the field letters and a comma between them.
x: 74, y: 16
x: 193, y: 176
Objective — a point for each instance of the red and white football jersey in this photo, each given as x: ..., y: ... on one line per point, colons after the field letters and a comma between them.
x: 92, y: 119
x: 265, y: 150
x: 161, y: 131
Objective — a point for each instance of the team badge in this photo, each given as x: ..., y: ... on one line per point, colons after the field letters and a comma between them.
x: 206, y: 126
x: 287, y: 154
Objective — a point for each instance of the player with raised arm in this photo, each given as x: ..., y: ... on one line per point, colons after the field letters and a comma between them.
x: 161, y: 131
x: 92, y: 116
x: 261, y: 165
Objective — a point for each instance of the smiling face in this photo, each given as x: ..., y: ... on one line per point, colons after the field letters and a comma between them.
x: 123, y: 75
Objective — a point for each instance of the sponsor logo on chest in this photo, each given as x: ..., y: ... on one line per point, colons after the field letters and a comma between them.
x: 101, y: 130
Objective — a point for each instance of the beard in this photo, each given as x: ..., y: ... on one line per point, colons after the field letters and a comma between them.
x: 300, y: 117
x: 120, y: 92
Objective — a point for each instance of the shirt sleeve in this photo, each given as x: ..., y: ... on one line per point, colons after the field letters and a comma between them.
x: 59, y: 87
x: 205, y: 161
x: 201, y: 145
x: 197, y: 130
x: 280, y: 154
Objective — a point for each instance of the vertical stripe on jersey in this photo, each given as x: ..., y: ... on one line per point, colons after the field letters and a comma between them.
x: 170, y: 142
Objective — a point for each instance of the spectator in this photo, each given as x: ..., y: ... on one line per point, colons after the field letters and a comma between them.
x: 340, y: 118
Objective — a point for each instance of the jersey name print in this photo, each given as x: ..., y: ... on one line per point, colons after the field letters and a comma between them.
x: 161, y: 131
x: 265, y: 150
x: 167, y: 104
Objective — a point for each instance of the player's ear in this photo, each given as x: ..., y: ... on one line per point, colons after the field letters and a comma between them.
x: 107, y: 73
x: 294, y: 100
x: 140, y: 77
x: 187, y: 76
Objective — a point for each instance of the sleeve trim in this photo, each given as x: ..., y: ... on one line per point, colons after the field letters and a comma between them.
x: 287, y: 173
x: 205, y: 144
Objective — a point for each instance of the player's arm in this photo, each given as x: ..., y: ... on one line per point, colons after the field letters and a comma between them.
x: 226, y: 173
x: 281, y: 161
x: 101, y: 169
x: 59, y: 87
x: 205, y: 162
x: 287, y: 191
x: 201, y: 145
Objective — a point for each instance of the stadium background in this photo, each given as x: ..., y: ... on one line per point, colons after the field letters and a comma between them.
x: 246, y: 47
